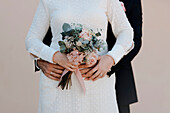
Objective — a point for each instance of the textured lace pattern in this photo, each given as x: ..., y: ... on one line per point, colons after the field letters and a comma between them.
x: 100, y: 96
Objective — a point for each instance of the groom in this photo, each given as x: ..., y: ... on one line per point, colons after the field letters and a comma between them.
x: 125, y: 85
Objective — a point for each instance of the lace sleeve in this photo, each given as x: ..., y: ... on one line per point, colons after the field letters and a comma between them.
x: 121, y: 29
x: 37, y: 32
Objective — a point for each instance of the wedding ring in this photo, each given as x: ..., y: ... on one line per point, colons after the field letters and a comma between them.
x: 101, y: 75
x: 51, y: 72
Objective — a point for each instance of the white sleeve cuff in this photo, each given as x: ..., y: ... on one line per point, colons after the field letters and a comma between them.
x: 116, y: 53
x: 45, y: 54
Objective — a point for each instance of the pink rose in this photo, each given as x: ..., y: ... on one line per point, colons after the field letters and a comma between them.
x: 85, y: 35
x: 91, y: 59
x: 75, y: 57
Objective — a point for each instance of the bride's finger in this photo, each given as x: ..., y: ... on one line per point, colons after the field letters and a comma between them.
x: 71, y: 65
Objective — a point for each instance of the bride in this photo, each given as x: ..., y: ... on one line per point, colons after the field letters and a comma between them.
x: 100, y: 95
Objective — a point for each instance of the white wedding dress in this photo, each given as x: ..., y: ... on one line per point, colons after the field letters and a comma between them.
x: 100, y: 95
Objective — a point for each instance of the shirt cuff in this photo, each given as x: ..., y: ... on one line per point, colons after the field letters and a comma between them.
x: 36, y: 64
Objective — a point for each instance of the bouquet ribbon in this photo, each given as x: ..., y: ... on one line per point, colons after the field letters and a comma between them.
x: 78, y: 75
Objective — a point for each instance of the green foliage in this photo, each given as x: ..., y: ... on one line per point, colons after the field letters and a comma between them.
x: 66, y: 27
x: 98, y: 34
x: 85, y: 42
x: 62, y: 49
x: 62, y: 46
x: 61, y: 43
x: 83, y: 45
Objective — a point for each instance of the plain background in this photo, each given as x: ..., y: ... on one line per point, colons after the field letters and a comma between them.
x: 19, y: 83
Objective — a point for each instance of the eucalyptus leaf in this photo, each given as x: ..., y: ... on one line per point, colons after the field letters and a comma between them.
x: 68, y: 50
x: 76, y: 38
x: 98, y: 34
x: 81, y: 39
x: 62, y: 48
x: 79, y: 28
x: 63, y: 34
x: 94, y: 38
x: 66, y: 27
x: 61, y: 43
x: 85, y: 42
x: 79, y: 48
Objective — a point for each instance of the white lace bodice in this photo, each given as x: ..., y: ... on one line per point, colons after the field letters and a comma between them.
x: 92, y: 13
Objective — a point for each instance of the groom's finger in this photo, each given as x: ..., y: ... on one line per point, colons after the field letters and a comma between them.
x: 55, y: 75
x: 98, y: 77
x: 87, y: 78
x: 83, y: 66
x: 90, y: 73
x: 58, y: 71
x: 82, y: 71
x: 88, y: 65
x: 51, y: 77
x: 58, y: 66
x: 95, y: 75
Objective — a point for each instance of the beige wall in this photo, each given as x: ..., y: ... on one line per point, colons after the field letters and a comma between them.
x: 19, y: 83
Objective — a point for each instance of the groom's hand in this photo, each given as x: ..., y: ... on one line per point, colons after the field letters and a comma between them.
x: 85, y: 68
x: 52, y: 71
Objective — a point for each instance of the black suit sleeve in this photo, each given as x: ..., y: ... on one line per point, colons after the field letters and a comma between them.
x: 135, y: 18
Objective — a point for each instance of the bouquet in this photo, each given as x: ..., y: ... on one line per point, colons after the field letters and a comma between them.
x: 80, y: 44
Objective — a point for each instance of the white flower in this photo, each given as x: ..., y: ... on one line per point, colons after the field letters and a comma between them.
x: 69, y: 37
x: 85, y: 34
x: 68, y: 44
x: 65, y: 40
x: 78, y: 43
x: 66, y: 37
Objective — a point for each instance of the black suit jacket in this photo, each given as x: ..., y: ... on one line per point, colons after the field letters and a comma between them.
x: 125, y: 85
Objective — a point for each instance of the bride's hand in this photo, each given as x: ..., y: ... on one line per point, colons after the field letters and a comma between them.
x: 61, y: 59
x: 101, y: 69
